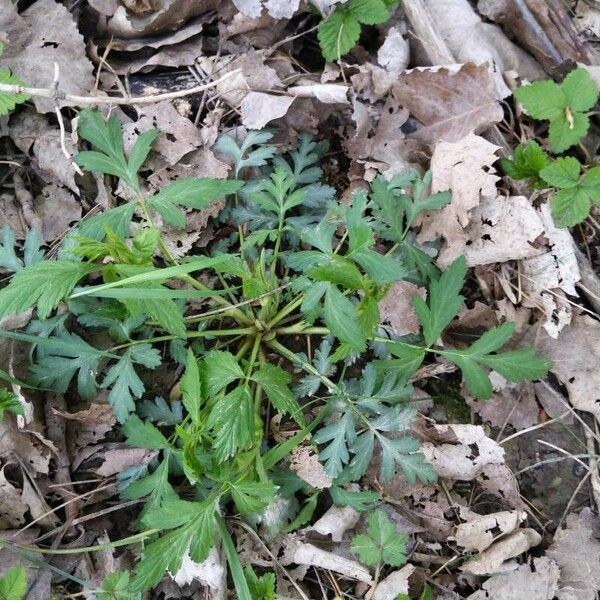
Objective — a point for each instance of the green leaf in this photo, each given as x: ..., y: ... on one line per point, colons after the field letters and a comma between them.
x: 9, y: 101
x: 116, y: 219
x: 570, y: 207
x: 358, y: 500
x: 528, y: 161
x: 165, y: 313
x: 166, y: 553
x: 564, y: 133
x: 381, y: 269
x: 275, y: 382
x: 191, y: 391
x: 581, y: 91
x: 261, y: 588
x: 338, y: 34
x: 8, y: 257
x: 125, y: 383
x: 141, y: 149
x: 542, y: 99
x: 94, y: 161
x: 382, y: 543
x: 369, y: 12
x: 13, y: 584
x: 443, y: 301
x: 339, y: 271
x: 197, y: 192
x: 9, y: 402
x: 518, y: 365
x: 475, y: 378
x: 408, y: 359
x: 116, y: 587
x: 562, y: 173
x: 141, y: 434
x: 342, y: 320
x: 220, y: 369
x: 232, y: 423
x: 44, y: 284
x: 250, y: 497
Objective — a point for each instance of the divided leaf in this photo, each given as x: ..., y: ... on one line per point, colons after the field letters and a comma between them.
x: 382, y: 544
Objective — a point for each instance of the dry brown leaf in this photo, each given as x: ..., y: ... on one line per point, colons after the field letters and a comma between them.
x: 394, y: 584
x: 468, y: 452
x: 397, y: 308
x: 576, y: 550
x: 91, y: 425
x: 449, y: 102
x: 304, y: 461
x: 491, y: 560
x: 44, y: 34
x: 482, y: 531
x: 12, y: 506
x: 29, y: 446
x: 57, y: 210
x: 500, y: 481
x: 535, y: 580
x: 119, y: 459
x: 575, y: 358
x: 336, y: 521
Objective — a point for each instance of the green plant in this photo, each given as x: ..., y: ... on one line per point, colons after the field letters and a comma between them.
x: 9, y: 101
x: 563, y: 105
x: 339, y: 32
x: 382, y: 544
x: 290, y: 264
x: 13, y: 584
x: 261, y: 587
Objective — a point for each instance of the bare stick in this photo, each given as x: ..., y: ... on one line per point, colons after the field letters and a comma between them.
x: 74, y: 100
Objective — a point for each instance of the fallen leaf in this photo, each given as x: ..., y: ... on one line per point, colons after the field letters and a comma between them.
x: 394, y: 584
x: 328, y: 93
x: 500, y: 481
x: 575, y: 360
x: 258, y: 109
x: 449, y: 102
x: 304, y: 461
x: 40, y: 36
x: 537, y: 579
x: 397, y: 307
x: 278, y: 9
x: 210, y: 572
x: 491, y: 560
x: 576, y: 550
x: 464, y: 457
x: 336, y: 521
x: 27, y: 445
x: 91, y: 425
x: 119, y: 459
x: 481, y: 532
x: 12, y: 507
x: 57, y: 210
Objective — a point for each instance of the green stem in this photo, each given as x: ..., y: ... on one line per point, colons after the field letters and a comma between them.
x: 301, y: 328
x: 286, y: 310
x: 188, y: 335
x: 253, y: 355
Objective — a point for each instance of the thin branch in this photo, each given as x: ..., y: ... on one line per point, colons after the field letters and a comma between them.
x: 74, y: 100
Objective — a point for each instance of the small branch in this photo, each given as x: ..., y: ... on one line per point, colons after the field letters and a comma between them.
x: 74, y: 100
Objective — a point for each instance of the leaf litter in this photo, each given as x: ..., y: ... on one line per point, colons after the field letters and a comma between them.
x: 427, y: 91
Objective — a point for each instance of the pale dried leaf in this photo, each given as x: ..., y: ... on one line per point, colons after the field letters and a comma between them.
x: 500, y: 481
x: 394, y: 53
x: 44, y: 34
x: 210, y: 572
x: 304, y: 461
x: 327, y: 93
x: 491, y: 560
x: 336, y: 521
x: 394, y: 584
x: 534, y: 580
x: 482, y: 531
x: 28, y: 446
x: 119, y: 459
x: 576, y: 550
x: 468, y: 453
x: 309, y: 555
x: 58, y: 210
x: 258, y: 109
x: 12, y: 506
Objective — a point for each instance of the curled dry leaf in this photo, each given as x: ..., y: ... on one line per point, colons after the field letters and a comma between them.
x: 467, y: 452
x: 576, y: 550
x: 336, y: 521
x: 482, y: 531
x: 548, y: 277
x: 309, y: 555
x: 449, y: 102
x: 327, y: 93
x: 394, y: 584
x: 397, y: 308
x: 575, y: 358
x: 492, y: 559
x: 42, y: 35
x: 305, y: 463
x: 536, y: 579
